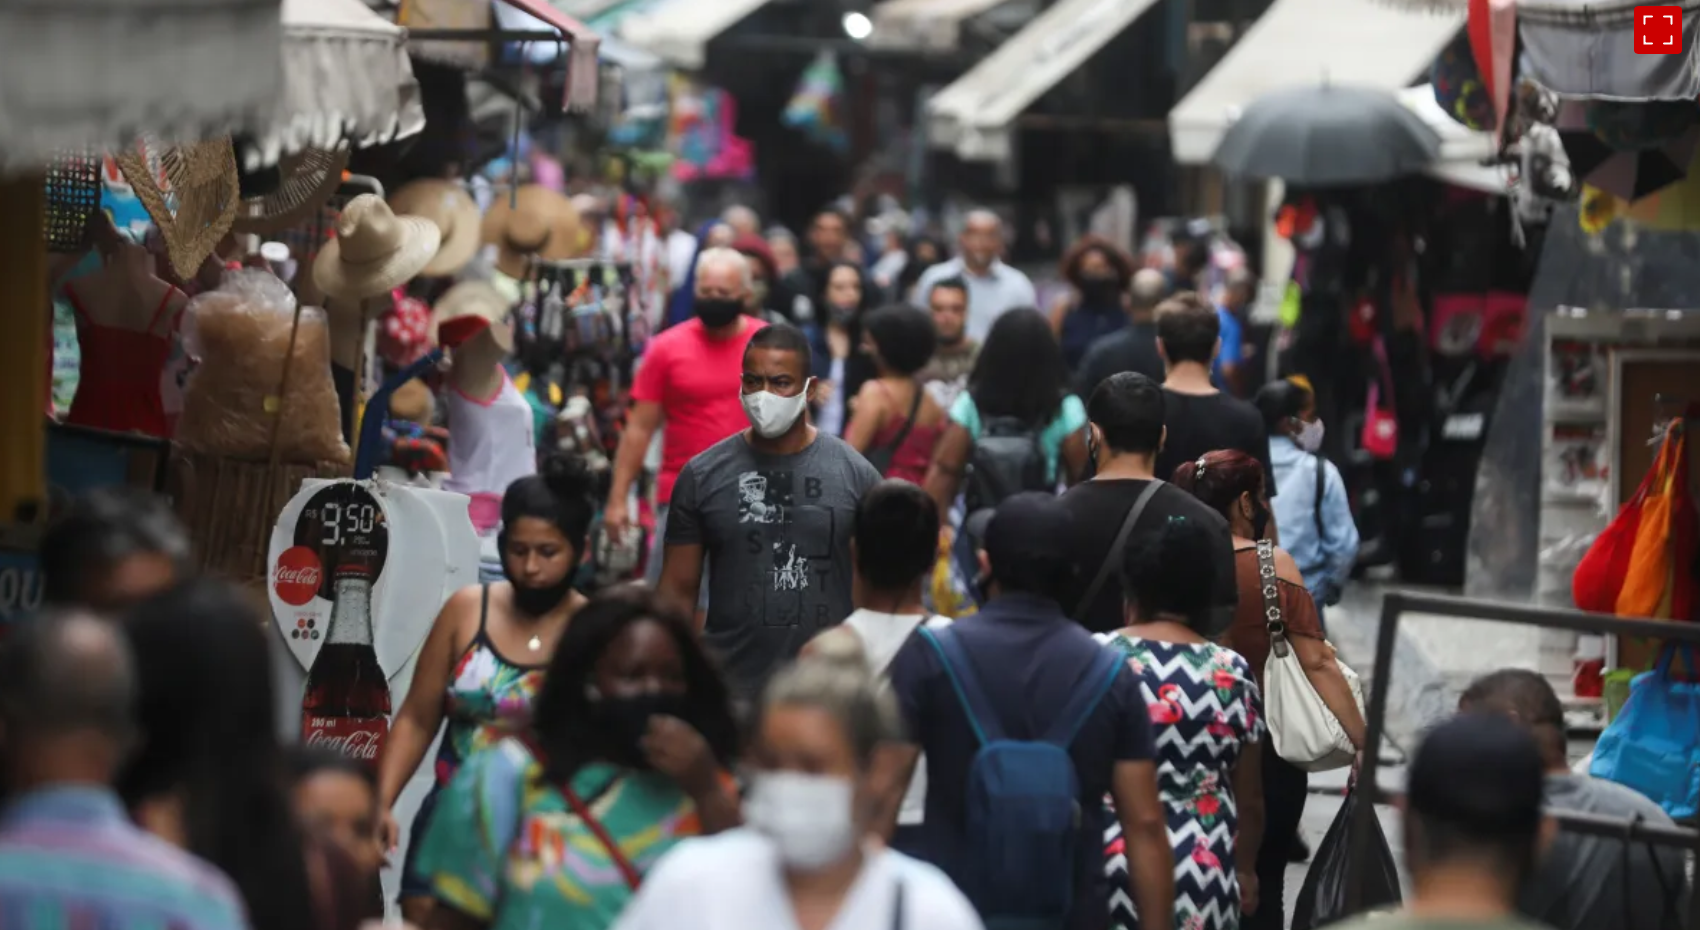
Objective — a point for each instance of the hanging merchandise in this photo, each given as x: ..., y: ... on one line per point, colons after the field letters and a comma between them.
x: 817, y: 105
x: 703, y: 133
x: 448, y: 205
x: 1381, y: 423
x: 1638, y: 565
x: 1653, y: 744
x: 199, y: 201
x: 531, y: 223
x: 358, y: 572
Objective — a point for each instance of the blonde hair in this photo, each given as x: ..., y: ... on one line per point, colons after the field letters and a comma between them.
x: 832, y: 675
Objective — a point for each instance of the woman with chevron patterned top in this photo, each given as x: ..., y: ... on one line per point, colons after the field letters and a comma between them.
x: 1205, y: 712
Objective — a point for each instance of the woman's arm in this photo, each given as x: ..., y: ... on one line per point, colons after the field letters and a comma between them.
x: 1248, y: 796
x: 867, y: 418
x: 1318, y: 658
x: 950, y: 460
x: 422, y: 712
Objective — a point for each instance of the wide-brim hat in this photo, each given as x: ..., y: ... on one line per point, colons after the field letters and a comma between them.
x: 374, y: 250
x: 457, y: 314
x: 532, y: 222
x: 447, y: 204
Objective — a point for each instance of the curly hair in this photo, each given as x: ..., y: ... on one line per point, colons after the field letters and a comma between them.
x: 1069, y: 268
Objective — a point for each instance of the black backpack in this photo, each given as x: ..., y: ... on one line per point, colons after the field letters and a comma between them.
x: 1006, y: 460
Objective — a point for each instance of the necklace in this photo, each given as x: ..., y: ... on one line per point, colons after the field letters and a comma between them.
x: 535, y: 644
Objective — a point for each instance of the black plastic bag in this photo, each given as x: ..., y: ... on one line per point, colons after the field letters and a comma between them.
x: 1322, y: 897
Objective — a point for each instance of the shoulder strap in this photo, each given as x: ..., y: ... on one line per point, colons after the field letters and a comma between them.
x: 628, y: 871
x: 1321, y: 488
x: 976, y: 706
x: 1271, y: 588
x: 897, y: 919
x: 1074, y: 714
x: 908, y: 424
x: 1114, y: 556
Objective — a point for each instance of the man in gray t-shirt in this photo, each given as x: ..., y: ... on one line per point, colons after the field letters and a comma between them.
x: 1584, y: 881
x: 771, y: 509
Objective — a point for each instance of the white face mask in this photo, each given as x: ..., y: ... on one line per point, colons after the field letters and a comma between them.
x: 772, y: 415
x: 810, y: 818
x: 1310, y: 436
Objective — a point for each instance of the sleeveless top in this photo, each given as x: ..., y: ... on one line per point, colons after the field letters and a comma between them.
x: 491, y: 445
x: 909, y: 461
x: 118, y: 386
x: 489, y: 699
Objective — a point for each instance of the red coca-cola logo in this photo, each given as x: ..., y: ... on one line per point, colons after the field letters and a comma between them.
x: 351, y: 737
x: 297, y: 575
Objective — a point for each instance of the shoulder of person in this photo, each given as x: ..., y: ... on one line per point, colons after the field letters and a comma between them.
x: 727, y: 857
x: 209, y: 886
x: 1286, y: 569
x: 930, y: 898
x: 1599, y: 794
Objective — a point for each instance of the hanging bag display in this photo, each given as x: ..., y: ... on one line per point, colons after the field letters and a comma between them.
x: 1305, y: 732
x: 1632, y: 567
x: 1653, y: 744
x: 1381, y: 424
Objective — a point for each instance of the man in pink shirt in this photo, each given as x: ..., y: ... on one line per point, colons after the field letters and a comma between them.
x: 688, y: 381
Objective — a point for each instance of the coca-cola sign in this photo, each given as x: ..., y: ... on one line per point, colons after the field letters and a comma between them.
x: 354, y: 737
x: 297, y: 576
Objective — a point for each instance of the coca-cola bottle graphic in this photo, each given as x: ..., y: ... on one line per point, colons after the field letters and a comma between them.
x: 347, y: 702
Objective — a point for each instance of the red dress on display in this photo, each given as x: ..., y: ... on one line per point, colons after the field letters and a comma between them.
x: 119, y: 387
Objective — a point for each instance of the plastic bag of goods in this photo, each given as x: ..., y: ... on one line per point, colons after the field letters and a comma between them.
x: 241, y: 334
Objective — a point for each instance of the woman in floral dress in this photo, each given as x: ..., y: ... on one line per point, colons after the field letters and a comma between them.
x: 1205, y: 709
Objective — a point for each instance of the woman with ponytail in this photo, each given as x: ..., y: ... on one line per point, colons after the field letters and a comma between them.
x: 483, y: 663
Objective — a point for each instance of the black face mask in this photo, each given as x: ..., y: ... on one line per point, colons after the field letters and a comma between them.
x: 625, y: 720
x: 841, y: 316
x: 1100, y: 292
x: 536, y: 602
x: 716, y: 312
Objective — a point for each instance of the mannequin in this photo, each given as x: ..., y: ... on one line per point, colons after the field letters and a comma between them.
x: 492, y: 433
x: 127, y: 319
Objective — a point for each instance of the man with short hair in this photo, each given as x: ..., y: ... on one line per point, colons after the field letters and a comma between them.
x: 770, y: 509
x: 1237, y: 292
x: 112, y: 548
x: 1132, y: 348
x: 1585, y: 881
x: 953, y: 358
x: 687, y: 380
x: 69, y: 854
x: 1200, y: 417
x: 1473, y: 828
x: 994, y: 288
x: 1041, y: 662
x: 1125, y: 423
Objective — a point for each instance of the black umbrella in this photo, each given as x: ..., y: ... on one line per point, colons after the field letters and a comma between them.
x: 1327, y: 136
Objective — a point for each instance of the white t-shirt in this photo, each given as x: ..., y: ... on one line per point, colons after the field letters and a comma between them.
x: 882, y: 636
x: 732, y: 881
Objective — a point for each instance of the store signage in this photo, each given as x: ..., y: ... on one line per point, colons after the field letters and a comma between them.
x: 358, y: 571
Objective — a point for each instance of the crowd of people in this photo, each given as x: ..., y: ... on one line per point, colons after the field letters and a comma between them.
x: 784, y: 725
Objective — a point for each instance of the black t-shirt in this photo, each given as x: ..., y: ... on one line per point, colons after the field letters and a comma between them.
x: 1200, y: 423
x: 1133, y: 348
x: 1099, y: 507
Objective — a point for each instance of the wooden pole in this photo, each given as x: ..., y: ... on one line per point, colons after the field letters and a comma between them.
x: 25, y: 351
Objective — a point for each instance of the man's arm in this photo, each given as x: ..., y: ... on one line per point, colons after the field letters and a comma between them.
x: 642, y: 420
x: 1145, y: 832
x: 683, y: 548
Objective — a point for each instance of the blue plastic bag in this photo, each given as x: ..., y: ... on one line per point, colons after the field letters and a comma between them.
x: 1653, y: 744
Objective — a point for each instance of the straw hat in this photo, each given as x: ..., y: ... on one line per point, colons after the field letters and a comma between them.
x: 454, y: 211
x: 202, y: 178
x: 374, y: 250
x: 469, y: 307
x: 534, y: 222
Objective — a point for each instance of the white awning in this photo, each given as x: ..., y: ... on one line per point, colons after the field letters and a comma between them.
x: 1307, y: 42
x: 974, y: 114
x: 679, y: 31
x: 924, y: 25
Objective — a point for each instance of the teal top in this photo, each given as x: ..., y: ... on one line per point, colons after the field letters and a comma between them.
x: 1069, y: 419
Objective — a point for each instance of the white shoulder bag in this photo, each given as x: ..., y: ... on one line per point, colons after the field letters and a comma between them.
x: 1305, y: 732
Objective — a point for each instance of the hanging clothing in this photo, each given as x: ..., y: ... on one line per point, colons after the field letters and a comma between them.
x: 119, y: 385
x: 491, y: 445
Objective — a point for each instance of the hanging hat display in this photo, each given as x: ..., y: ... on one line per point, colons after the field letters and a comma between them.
x: 1459, y: 88
x: 533, y: 222
x: 469, y: 308
x: 374, y: 250
x: 452, y: 209
x: 306, y: 181
x: 204, y: 192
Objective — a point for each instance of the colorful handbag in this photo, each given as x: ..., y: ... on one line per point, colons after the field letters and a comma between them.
x: 1381, y: 425
x: 1653, y: 744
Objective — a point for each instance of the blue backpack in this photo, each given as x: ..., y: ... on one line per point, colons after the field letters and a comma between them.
x: 1022, y: 802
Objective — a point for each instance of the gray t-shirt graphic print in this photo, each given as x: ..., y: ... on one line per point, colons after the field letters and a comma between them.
x: 776, y: 532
